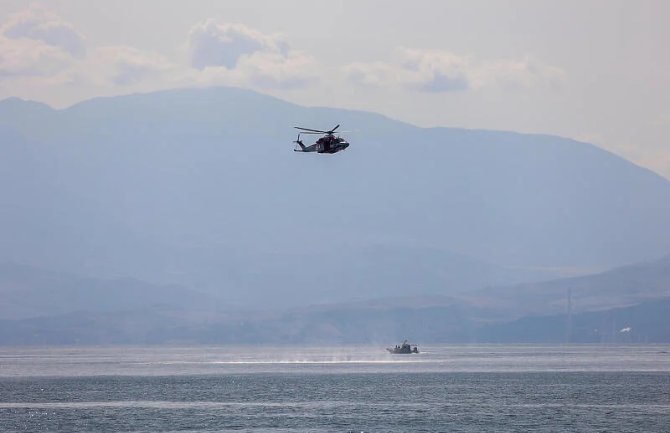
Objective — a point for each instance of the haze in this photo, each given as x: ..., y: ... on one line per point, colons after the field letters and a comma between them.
x: 490, y: 252
x: 507, y: 172
x: 594, y: 71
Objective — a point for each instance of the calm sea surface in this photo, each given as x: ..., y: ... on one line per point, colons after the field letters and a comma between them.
x: 340, y: 389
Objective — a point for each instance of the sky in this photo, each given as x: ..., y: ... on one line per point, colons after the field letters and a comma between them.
x: 595, y: 71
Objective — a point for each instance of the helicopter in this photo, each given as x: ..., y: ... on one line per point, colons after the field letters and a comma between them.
x: 329, y: 143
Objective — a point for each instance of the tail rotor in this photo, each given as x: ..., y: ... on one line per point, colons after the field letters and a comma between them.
x: 299, y: 143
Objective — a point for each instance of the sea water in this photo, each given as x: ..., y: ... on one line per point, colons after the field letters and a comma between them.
x: 340, y: 389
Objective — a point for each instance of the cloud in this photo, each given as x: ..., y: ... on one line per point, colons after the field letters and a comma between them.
x: 29, y: 58
x: 43, y: 64
x: 37, y: 44
x: 435, y: 71
x: 275, y: 70
x: 39, y: 51
x: 438, y: 71
x: 125, y: 66
x: 515, y: 74
x: 423, y: 70
x: 36, y: 23
x: 239, y: 55
x: 222, y: 44
x: 372, y: 74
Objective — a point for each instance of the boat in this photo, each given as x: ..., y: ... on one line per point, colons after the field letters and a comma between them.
x: 404, y: 349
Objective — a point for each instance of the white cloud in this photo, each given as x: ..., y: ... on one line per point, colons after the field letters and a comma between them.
x: 373, y: 74
x: 524, y: 73
x: 35, y: 43
x: 222, y: 44
x: 40, y: 50
x: 264, y: 69
x: 38, y: 64
x: 435, y: 71
x: 36, y: 23
x: 25, y: 57
x: 238, y: 55
x: 125, y: 66
x: 439, y: 71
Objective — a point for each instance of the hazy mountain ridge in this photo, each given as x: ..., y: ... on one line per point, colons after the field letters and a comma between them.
x: 129, y: 313
x: 618, y: 287
x: 199, y: 187
x: 646, y: 322
x: 641, y: 323
x: 27, y: 292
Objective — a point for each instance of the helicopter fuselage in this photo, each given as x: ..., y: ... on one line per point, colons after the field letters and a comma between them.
x: 327, y: 144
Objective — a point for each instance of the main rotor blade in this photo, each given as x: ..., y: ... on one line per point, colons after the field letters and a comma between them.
x: 312, y: 130
x: 333, y: 130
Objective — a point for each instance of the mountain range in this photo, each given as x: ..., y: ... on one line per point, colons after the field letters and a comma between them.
x: 627, y: 304
x: 195, y: 194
